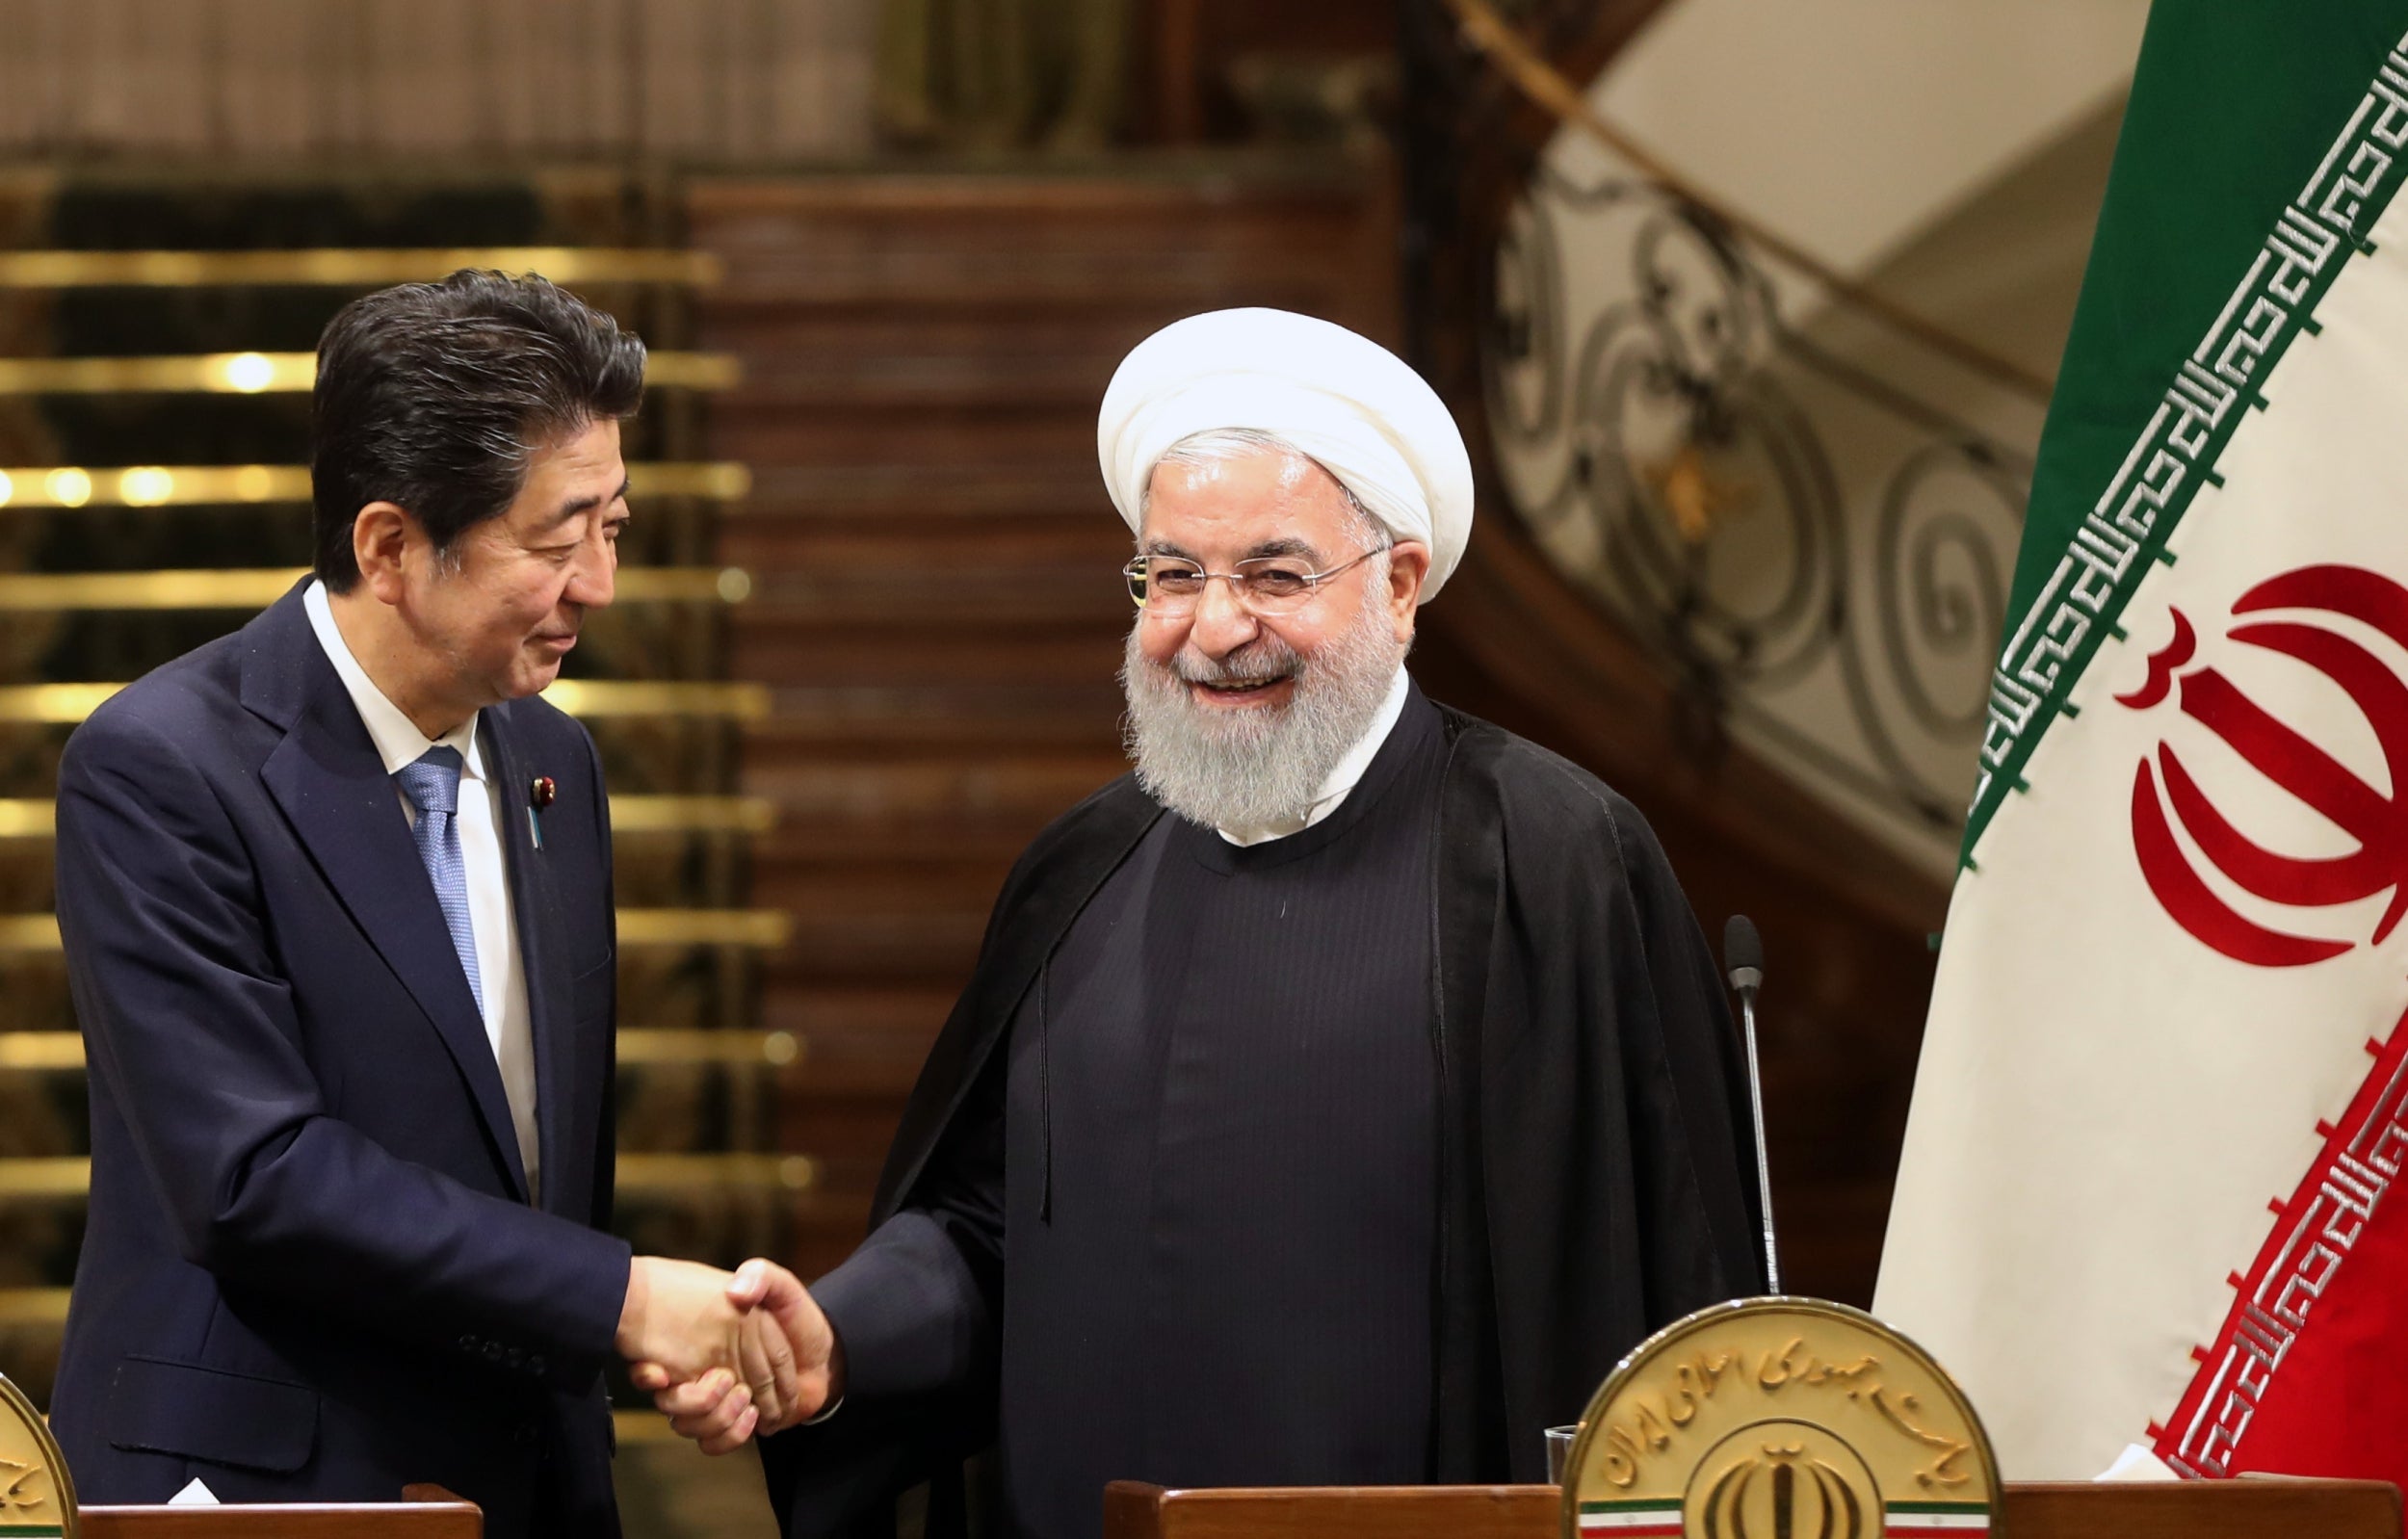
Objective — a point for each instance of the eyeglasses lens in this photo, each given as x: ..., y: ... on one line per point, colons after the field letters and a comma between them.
x: 1169, y: 586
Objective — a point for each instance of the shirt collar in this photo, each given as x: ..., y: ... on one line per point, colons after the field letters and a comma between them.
x: 398, y: 739
x: 1342, y: 778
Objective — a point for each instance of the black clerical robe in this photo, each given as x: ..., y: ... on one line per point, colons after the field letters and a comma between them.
x: 1589, y: 1181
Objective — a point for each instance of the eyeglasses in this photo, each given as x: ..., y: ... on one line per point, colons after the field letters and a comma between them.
x: 1268, y: 585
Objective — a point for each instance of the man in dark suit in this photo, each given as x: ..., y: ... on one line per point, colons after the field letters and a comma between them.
x: 335, y: 891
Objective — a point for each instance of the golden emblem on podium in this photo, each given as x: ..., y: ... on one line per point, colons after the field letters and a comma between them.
x: 1780, y: 1419
x: 37, y: 1499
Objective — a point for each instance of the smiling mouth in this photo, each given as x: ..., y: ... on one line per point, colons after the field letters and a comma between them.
x: 1250, y: 688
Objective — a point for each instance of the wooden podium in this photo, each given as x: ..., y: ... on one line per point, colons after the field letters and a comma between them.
x: 2222, y: 1510
x: 425, y: 1512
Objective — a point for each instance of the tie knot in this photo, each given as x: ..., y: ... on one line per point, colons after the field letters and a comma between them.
x: 432, y: 780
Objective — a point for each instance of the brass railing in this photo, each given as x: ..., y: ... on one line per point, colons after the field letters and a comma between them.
x: 66, y: 704
x: 256, y: 588
x: 760, y: 929
x: 34, y: 817
x: 223, y: 486
x: 42, y: 1306
x: 68, y: 1177
x: 63, y: 1052
x: 692, y: 815
x: 571, y: 264
x: 253, y: 373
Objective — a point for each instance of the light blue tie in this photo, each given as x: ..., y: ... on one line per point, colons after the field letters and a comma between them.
x: 432, y: 783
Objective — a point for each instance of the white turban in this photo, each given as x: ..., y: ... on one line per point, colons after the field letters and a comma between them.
x: 1352, y: 405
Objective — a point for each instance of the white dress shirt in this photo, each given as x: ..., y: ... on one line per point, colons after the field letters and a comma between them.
x: 495, y: 923
x: 1341, y: 778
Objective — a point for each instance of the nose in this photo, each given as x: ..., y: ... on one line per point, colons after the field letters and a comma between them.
x: 593, y: 576
x: 1221, y: 624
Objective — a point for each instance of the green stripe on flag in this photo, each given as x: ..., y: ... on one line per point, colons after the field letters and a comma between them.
x: 2271, y: 101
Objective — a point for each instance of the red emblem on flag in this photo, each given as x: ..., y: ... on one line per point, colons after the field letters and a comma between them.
x: 2376, y: 818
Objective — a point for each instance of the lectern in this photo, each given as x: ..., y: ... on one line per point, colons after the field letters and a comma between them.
x: 2222, y: 1510
x: 428, y: 1512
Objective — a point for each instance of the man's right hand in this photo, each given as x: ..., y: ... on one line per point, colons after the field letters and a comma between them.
x: 790, y: 1367
x: 681, y: 1316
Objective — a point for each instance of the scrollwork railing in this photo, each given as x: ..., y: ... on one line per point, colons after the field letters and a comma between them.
x: 1803, y: 500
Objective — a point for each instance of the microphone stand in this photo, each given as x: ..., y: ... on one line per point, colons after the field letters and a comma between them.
x: 1742, y: 951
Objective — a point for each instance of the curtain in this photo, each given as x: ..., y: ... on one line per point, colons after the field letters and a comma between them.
x: 690, y: 79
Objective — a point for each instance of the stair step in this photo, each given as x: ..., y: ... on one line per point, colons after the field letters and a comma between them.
x: 917, y: 657
x: 946, y: 592
x: 1037, y: 442
x: 1087, y: 547
x: 848, y: 485
x: 921, y: 810
x: 1181, y: 238
x: 904, y: 360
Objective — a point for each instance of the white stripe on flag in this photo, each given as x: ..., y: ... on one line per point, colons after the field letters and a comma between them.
x: 1633, y: 1523
x: 1953, y: 1523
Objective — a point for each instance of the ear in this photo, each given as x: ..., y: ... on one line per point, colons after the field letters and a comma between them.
x: 381, y: 535
x: 1408, y: 567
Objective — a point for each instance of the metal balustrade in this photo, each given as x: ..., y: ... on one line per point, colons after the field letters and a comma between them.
x: 255, y: 374
x: 343, y: 268
x: 760, y: 929
x: 73, y: 486
x: 638, y: 1047
x: 66, y: 704
x: 33, y: 817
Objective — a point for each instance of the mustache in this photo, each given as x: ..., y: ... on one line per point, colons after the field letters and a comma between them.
x: 1265, y: 661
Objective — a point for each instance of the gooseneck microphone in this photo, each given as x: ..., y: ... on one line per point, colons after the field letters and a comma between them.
x: 1743, y: 964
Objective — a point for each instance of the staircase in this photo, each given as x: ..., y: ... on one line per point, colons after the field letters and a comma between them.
x: 933, y: 554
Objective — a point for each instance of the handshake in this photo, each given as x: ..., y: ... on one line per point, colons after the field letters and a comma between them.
x: 727, y: 1356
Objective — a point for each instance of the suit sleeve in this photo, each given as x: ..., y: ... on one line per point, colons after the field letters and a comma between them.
x: 191, y: 1022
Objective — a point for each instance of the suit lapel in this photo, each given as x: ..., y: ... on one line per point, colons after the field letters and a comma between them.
x: 330, y: 783
x: 543, y: 962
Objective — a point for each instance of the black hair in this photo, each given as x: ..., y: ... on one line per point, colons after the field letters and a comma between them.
x: 436, y: 395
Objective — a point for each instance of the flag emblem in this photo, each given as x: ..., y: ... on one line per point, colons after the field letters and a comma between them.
x: 2375, y: 818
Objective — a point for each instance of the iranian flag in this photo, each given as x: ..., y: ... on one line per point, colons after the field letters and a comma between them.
x: 2163, y: 1096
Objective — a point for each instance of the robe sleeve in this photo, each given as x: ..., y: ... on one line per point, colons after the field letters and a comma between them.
x: 917, y: 1305
x: 1617, y: 1151
x: 924, y: 1400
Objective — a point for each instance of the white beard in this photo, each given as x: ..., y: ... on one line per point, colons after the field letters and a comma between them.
x: 1265, y: 765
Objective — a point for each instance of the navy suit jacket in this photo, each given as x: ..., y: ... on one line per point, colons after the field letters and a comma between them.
x: 311, y: 1271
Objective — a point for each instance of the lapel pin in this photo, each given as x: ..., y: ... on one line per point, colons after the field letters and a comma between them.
x: 541, y: 792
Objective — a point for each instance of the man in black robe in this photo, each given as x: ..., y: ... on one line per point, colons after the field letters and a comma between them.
x: 1339, y: 1095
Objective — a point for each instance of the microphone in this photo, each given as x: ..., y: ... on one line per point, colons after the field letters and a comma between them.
x: 1743, y: 964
